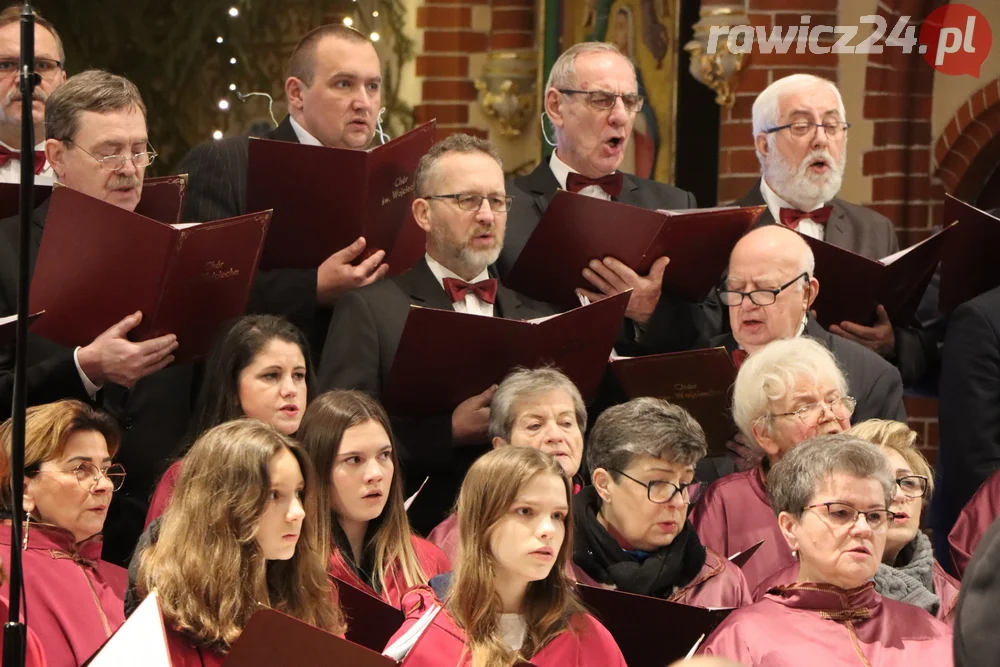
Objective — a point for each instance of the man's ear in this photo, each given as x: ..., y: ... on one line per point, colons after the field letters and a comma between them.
x: 422, y: 213
x: 762, y: 434
x: 760, y: 142
x: 55, y: 154
x: 601, y: 479
x: 787, y: 523
x: 553, y: 107
x: 499, y: 442
x: 813, y: 292
x: 293, y: 92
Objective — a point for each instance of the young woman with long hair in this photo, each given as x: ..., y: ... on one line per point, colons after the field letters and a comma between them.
x: 238, y: 536
x: 510, y: 598
x: 358, y: 481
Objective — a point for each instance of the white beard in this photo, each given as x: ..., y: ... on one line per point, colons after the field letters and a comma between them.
x: 797, y: 185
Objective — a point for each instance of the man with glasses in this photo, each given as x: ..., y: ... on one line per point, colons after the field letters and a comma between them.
x: 461, y: 202
x: 592, y: 100
x: 49, y: 59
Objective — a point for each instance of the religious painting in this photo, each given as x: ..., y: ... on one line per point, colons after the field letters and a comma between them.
x: 646, y: 31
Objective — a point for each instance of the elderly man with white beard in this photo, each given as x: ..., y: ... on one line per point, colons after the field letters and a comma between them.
x: 800, y: 134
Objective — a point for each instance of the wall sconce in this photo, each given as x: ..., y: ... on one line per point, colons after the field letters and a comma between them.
x: 507, y: 89
x: 721, y: 71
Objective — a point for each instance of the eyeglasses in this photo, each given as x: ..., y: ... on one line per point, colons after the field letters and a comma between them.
x: 842, y: 408
x: 759, y: 297
x: 117, y: 162
x: 45, y: 68
x: 913, y: 486
x: 661, y: 491
x: 842, y: 514
x: 471, y: 202
x: 89, y: 475
x: 803, y: 128
x: 605, y: 99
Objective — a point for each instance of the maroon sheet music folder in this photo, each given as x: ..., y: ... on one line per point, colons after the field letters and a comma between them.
x: 8, y: 327
x: 162, y: 198
x: 370, y: 621
x: 969, y: 262
x: 325, y: 198
x: 98, y: 263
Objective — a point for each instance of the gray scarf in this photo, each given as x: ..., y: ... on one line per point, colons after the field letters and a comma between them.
x: 911, y: 579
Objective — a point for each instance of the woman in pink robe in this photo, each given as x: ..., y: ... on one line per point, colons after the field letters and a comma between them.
x: 785, y: 393
x: 75, y: 599
x: 509, y: 597
x: 630, y: 527
x: 831, y: 497
x: 973, y: 522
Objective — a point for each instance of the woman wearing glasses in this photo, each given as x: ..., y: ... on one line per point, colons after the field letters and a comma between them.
x: 631, y: 527
x: 786, y: 392
x: 75, y: 600
x: 831, y: 497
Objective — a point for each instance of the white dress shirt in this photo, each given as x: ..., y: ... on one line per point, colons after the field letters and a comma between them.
x: 11, y: 172
x: 776, y: 203
x: 304, y: 137
x: 561, y: 170
x: 471, y: 304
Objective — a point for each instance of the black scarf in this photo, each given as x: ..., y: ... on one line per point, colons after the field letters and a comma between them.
x: 366, y: 568
x: 657, y: 575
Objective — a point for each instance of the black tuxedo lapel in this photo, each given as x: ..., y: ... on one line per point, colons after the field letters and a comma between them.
x: 630, y: 189
x: 508, y: 305
x: 423, y: 288
x: 542, y: 185
x: 755, y: 198
x: 284, y: 132
x: 838, y: 229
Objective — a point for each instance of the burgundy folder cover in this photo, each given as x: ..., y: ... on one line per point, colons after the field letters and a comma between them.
x: 98, y: 263
x: 742, y: 558
x: 370, y: 621
x: 162, y: 198
x: 325, y: 198
x: 851, y: 286
x: 576, y: 229
x: 8, y: 327
x: 445, y: 357
x: 10, y: 198
x: 969, y: 262
x: 651, y: 632
x: 272, y: 639
x: 699, y: 381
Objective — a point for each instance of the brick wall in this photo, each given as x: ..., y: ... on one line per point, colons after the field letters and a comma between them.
x: 959, y: 162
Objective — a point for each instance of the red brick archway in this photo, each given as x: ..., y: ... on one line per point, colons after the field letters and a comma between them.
x: 969, y: 147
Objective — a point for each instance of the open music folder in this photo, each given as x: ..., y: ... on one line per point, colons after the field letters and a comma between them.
x: 162, y: 198
x: 142, y: 639
x: 444, y: 357
x: 99, y: 263
x: 8, y: 327
x: 969, y: 262
x: 371, y: 622
x: 325, y: 198
x: 576, y: 229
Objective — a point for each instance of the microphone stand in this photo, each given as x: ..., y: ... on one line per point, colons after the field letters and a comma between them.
x: 15, y: 632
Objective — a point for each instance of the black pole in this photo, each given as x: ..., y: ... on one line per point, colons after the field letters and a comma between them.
x: 14, y: 631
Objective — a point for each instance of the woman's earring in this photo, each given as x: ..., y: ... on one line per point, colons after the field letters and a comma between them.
x: 795, y: 553
x: 27, y: 525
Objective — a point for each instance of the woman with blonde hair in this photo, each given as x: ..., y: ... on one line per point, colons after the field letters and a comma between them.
x: 510, y: 597
x: 359, y: 488
x: 237, y: 537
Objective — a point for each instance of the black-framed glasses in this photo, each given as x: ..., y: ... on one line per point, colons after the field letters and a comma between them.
x: 660, y: 491
x: 843, y: 515
x: 759, y: 297
x: 842, y: 408
x: 89, y: 475
x: 472, y: 202
x: 117, y: 162
x: 804, y: 128
x: 605, y: 99
x: 913, y: 486
x: 44, y: 67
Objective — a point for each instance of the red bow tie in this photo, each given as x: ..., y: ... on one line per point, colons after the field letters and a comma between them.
x: 486, y: 290
x: 790, y: 217
x: 739, y: 356
x: 6, y: 155
x: 612, y: 183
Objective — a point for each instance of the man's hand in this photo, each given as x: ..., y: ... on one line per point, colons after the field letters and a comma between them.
x: 878, y: 338
x: 336, y: 275
x: 114, y: 358
x: 611, y: 277
x: 471, y: 419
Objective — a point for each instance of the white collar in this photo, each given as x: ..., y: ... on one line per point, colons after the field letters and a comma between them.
x: 560, y: 170
x: 441, y: 272
x: 303, y: 135
x: 774, y: 201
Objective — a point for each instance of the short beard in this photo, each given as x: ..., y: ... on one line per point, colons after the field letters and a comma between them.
x: 461, y: 258
x: 797, y: 186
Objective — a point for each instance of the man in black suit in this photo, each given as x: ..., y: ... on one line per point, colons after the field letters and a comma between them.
x: 592, y: 98
x: 462, y: 204
x: 334, y: 92
x: 800, y: 135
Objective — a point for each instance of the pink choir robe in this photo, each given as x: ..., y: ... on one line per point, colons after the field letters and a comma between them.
x: 184, y: 652
x: 946, y: 587
x: 733, y: 514
x: 35, y: 655
x: 972, y: 523
x: 164, y: 490
x: 75, y: 600
x: 817, y: 624
x: 432, y: 561
x: 719, y: 585
x: 587, y: 644
x: 445, y: 536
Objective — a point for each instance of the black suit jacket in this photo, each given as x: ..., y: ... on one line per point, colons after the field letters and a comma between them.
x: 871, y: 380
x: 217, y: 189
x: 360, y: 348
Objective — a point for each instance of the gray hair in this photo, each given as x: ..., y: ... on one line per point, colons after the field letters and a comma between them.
x: 650, y: 426
x: 771, y: 372
x: 522, y: 384
x: 456, y: 143
x: 766, y: 111
x: 795, y: 479
x: 563, y: 72
x: 91, y: 90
